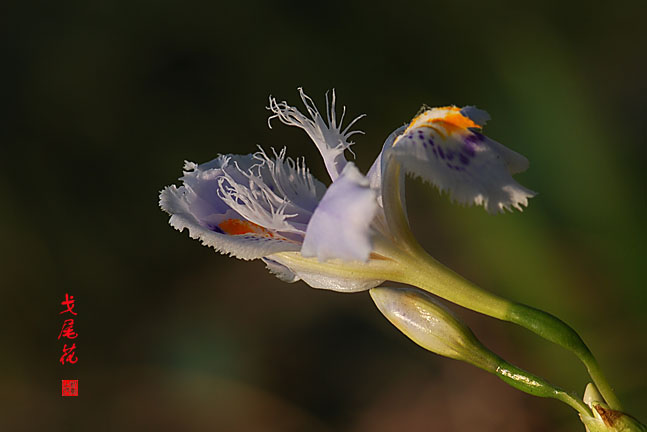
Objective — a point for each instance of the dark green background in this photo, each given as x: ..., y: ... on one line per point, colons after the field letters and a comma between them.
x: 104, y: 100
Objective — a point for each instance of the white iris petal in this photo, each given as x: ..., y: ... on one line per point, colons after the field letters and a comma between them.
x: 276, y: 195
x: 340, y: 226
x: 177, y: 202
x: 444, y: 147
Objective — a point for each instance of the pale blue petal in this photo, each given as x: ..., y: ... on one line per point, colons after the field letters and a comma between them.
x: 201, y: 192
x: 177, y: 202
x: 456, y: 158
x: 340, y: 226
x: 249, y: 206
x: 278, y: 194
x: 514, y: 162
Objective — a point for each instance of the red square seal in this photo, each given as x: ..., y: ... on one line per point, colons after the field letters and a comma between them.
x: 70, y: 387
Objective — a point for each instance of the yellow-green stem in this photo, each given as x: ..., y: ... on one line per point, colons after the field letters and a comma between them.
x: 423, y: 271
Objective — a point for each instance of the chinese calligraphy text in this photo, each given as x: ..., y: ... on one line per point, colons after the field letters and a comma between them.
x: 69, y: 387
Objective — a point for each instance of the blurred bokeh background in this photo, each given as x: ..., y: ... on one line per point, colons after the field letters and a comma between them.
x: 104, y: 100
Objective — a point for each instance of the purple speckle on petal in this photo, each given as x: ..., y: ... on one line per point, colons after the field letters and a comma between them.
x: 472, y: 142
x: 450, y: 155
x: 216, y: 228
x: 475, y: 137
x: 469, y: 148
x: 464, y: 160
x: 441, y: 153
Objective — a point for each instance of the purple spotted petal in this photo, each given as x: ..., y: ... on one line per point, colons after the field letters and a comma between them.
x: 443, y: 147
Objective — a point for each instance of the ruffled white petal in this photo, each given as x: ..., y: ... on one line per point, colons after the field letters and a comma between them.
x: 329, y: 137
x: 514, y: 162
x: 444, y: 147
x: 340, y: 226
x: 248, y: 206
x: 178, y: 203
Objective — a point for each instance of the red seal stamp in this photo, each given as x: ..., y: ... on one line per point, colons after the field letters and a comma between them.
x: 70, y: 387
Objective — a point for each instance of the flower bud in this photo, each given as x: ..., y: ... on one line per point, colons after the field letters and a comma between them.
x: 432, y: 326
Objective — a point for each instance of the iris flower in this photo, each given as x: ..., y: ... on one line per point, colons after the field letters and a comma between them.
x: 354, y: 234
x: 347, y: 236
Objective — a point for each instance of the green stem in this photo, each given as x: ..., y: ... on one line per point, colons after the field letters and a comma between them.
x: 555, y: 330
x: 423, y: 271
x: 532, y: 384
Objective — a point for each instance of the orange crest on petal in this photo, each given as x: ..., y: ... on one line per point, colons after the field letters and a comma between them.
x: 449, y: 118
x: 237, y: 227
x: 456, y: 121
